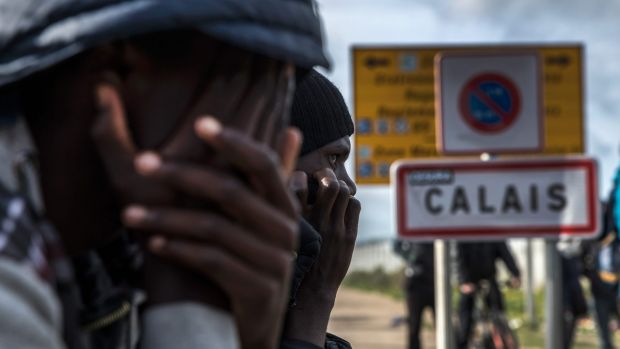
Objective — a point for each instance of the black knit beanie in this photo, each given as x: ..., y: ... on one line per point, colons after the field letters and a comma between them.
x: 319, y: 111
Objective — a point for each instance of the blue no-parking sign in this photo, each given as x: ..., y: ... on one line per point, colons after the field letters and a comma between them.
x: 489, y: 103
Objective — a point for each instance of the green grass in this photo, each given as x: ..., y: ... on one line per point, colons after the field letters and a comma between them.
x: 378, y: 281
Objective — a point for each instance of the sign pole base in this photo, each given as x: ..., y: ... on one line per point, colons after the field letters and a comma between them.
x: 530, y: 304
x: 443, y: 296
x: 553, y: 297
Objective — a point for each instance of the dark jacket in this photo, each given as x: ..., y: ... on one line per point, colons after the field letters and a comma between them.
x: 600, y: 258
x: 476, y: 261
x: 420, y: 258
x: 96, y: 310
x: 307, y: 253
x: 331, y: 342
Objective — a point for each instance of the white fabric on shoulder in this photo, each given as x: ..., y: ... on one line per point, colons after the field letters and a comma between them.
x: 31, y: 313
x: 188, y: 325
x: 16, y: 146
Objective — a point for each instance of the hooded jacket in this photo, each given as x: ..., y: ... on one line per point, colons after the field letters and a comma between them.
x: 38, y: 34
x: 477, y: 261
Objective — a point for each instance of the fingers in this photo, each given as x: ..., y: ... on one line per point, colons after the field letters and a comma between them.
x: 269, y: 129
x: 110, y: 130
x: 341, y: 203
x: 113, y: 140
x: 335, y: 206
x: 329, y: 187
x: 299, y: 186
x: 224, y: 269
x: 210, y: 228
x: 111, y: 124
x: 218, y: 98
x: 351, y: 219
x: 228, y: 193
x: 289, y: 150
x: 256, y: 102
x: 257, y: 162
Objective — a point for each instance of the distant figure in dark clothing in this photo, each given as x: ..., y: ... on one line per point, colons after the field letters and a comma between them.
x: 601, y: 259
x: 604, y: 288
x: 573, y: 300
x: 420, y: 284
x: 476, y: 263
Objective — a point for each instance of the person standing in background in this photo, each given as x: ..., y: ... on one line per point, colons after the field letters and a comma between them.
x: 476, y: 263
x: 573, y: 299
x: 419, y: 284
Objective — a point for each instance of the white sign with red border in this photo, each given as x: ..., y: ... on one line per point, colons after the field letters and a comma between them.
x: 489, y: 103
x: 497, y: 199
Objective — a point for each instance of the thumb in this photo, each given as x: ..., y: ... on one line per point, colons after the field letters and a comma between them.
x: 351, y: 218
x: 299, y: 187
x: 110, y: 131
x: 289, y: 151
x: 114, y: 143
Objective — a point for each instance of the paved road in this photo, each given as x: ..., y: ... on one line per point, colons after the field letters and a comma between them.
x: 365, y: 319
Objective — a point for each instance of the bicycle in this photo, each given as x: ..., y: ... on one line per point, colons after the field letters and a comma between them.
x: 492, y: 324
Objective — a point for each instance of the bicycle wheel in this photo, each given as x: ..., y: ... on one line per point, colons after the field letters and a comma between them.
x: 488, y: 341
x: 504, y: 334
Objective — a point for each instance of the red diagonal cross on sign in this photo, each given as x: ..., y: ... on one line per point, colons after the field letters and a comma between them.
x: 473, y: 87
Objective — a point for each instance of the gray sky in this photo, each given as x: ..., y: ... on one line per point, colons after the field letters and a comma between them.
x: 593, y: 22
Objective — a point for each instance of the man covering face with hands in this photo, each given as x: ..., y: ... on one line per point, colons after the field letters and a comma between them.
x: 161, y: 122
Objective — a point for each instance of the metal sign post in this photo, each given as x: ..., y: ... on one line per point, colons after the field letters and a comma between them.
x: 530, y: 305
x: 553, y: 297
x: 443, y: 296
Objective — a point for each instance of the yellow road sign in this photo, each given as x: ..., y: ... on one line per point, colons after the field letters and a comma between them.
x: 394, y: 103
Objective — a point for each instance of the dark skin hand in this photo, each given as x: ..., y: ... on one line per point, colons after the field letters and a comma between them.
x: 335, y: 215
x: 85, y: 182
x: 469, y: 287
x: 135, y: 96
x: 245, y: 245
x: 212, y: 195
x: 251, y: 248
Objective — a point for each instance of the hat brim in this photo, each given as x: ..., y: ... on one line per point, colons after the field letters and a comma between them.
x: 285, y: 30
